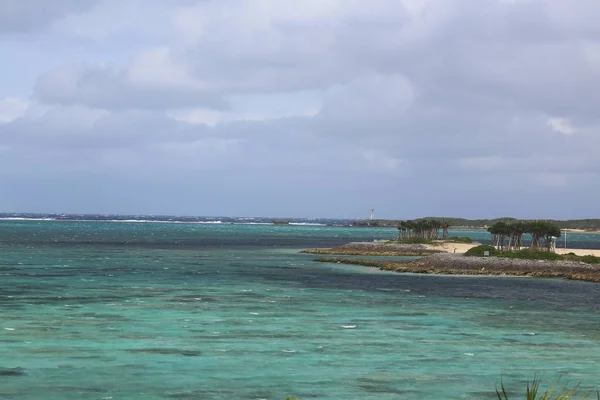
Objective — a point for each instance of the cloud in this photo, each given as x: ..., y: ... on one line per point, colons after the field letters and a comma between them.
x: 561, y: 125
x: 155, y: 85
x: 423, y: 100
x: 12, y: 108
x: 22, y: 16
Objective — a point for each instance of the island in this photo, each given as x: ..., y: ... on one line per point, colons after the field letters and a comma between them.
x: 520, y: 248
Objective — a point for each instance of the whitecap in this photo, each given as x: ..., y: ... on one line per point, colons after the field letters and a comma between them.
x: 348, y: 326
x: 469, y: 354
x: 10, y: 329
x: 26, y: 219
x: 253, y: 313
x: 289, y: 351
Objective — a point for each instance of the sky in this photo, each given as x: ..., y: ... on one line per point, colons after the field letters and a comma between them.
x: 311, y: 108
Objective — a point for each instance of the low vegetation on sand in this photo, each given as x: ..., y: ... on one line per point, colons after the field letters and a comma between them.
x: 459, y: 239
x: 529, y: 254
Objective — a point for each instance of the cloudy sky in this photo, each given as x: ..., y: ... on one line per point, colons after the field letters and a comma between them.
x: 307, y: 108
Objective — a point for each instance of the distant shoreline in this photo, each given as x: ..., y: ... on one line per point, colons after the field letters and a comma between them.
x: 579, y: 226
x: 458, y: 224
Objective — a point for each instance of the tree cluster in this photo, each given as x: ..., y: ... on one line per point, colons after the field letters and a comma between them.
x: 508, y: 235
x: 426, y: 229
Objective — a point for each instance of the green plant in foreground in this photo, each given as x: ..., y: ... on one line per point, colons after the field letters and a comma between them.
x: 532, y: 392
x: 554, y: 393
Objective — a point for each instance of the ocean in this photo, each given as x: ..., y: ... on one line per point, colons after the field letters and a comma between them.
x: 181, y: 310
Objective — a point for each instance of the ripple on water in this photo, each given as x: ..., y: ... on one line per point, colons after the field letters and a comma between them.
x: 257, y: 322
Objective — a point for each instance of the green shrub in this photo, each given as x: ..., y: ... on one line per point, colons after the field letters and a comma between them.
x: 590, y: 259
x: 479, y: 251
x: 532, y: 254
x: 416, y: 240
x: 460, y: 239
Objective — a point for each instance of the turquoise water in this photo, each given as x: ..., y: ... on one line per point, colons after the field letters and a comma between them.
x: 96, y: 310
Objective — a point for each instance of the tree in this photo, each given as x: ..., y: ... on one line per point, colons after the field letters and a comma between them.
x: 426, y: 229
x: 542, y: 234
x: 515, y: 235
x: 444, y: 225
x: 500, y: 230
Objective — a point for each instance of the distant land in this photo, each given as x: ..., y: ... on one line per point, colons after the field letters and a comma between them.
x: 456, y: 223
x: 462, y: 223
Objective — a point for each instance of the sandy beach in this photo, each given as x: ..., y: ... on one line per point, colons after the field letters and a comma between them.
x: 449, y: 247
x: 579, y: 252
x: 593, y: 232
x: 399, y: 249
x: 461, y: 248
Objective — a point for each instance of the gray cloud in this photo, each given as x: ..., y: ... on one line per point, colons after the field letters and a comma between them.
x: 106, y: 88
x: 454, y: 108
x: 21, y: 16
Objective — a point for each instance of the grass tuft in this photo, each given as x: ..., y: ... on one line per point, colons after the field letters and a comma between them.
x: 556, y: 392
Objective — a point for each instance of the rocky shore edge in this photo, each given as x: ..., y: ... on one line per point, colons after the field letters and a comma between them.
x: 459, y: 264
x: 376, y: 249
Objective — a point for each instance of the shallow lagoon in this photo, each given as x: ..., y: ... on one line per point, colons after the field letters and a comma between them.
x: 187, y: 311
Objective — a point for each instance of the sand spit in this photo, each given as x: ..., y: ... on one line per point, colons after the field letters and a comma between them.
x: 459, y: 264
x: 378, y: 249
